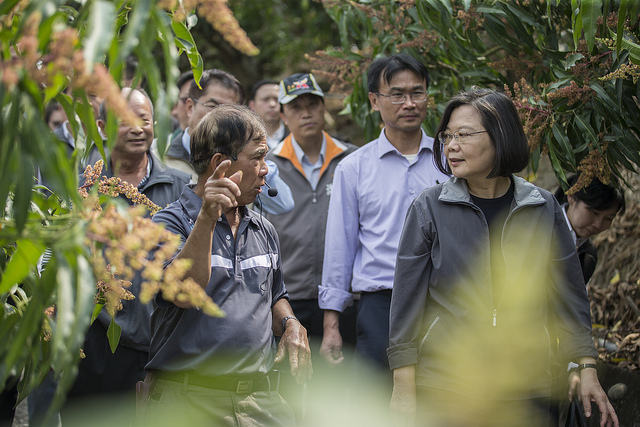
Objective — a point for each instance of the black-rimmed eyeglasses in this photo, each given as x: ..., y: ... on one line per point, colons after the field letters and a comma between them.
x: 400, y: 97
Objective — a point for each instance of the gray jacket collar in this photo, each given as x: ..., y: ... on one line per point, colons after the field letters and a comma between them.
x: 455, y: 190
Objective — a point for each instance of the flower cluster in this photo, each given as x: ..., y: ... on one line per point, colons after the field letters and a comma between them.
x: 63, y: 58
x: 111, y: 291
x: 518, y: 66
x: 122, y: 243
x: 473, y: 20
x: 114, y: 187
x: 625, y: 71
x: 590, y: 66
x: 573, y: 93
x: 536, y: 115
x: 218, y: 14
x: 423, y: 41
x: 341, y: 72
x: 593, y: 165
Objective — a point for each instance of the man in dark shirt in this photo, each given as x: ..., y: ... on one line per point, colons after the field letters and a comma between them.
x: 220, y: 369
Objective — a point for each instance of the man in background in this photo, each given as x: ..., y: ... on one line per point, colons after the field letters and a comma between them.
x: 264, y: 101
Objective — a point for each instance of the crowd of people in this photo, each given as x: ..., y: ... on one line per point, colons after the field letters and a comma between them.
x: 418, y: 258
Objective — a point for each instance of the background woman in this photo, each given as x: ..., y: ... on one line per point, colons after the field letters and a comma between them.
x: 588, y: 212
x: 485, y: 263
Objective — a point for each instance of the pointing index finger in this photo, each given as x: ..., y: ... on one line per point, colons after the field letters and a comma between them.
x: 221, y: 169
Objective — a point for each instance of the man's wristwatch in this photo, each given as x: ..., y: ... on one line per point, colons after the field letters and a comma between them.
x: 284, y: 322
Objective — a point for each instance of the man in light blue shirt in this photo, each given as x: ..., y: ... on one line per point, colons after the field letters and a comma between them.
x: 372, y: 191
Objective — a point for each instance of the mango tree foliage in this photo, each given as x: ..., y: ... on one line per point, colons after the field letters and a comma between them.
x: 75, y: 53
x: 571, y: 67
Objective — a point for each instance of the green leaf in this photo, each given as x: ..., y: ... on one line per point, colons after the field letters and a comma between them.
x: 634, y: 50
x: 7, y: 5
x: 556, y: 165
x: 100, y: 30
x: 565, y: 144
x: 138, y: 19
x: 622, y: 17
x: 113, y: 333
x: 591, y: 11
x: 23, y: 260
x: 576, y: 19
x: 96, y: 312
x: 587, y: 129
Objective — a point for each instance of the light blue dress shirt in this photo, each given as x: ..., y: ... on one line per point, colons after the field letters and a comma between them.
x: 311, y: 170
x: 283, y: 202
x: 372, y: 190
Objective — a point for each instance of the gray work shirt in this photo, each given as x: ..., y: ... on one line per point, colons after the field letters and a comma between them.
x: 246, y: 281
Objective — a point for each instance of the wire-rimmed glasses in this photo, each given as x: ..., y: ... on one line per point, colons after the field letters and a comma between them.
x: 461, y: 136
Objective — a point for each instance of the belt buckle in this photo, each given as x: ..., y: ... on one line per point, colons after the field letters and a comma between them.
x: 244, y: 387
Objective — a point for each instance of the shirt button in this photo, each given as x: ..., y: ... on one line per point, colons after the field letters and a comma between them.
x: 228, y: 237
x: 220, y: 219
x: 412, y: 192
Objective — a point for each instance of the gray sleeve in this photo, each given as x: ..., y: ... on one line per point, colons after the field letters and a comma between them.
x: 568, y: 301
x: 410, y: 287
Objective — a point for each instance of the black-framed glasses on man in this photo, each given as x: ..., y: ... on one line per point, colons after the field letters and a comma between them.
x: 401, y: 97
x: 209, y: 104
x: 460, y: 136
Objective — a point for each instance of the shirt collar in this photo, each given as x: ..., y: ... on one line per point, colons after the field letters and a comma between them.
x: 300, y: 153
x: 186, y: 140
x: 385, y: 146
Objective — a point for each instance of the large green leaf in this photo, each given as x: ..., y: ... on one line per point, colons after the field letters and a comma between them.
x: 591, y: 11
x: 100, y: 32
x: 22, y: 262
x: 622, y: 17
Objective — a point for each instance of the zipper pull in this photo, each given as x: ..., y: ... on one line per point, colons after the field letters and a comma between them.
x: 495, y: 314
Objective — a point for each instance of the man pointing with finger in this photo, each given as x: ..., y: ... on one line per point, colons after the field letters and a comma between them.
x: 220, y: 369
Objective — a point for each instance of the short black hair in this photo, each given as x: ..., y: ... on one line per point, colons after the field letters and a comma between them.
x: 185, y: 77
x: 500, y: 119
x: 389, y: 66
x: 227, y: 129
x: 258, y: 85
x: 597, y: 195
x: 220, y: 77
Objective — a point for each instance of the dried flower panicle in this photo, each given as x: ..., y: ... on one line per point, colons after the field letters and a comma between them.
x: 114, y: 187
x: 593, y: 166
x: 341, y: 72
x: 573, y: 93
x: 219, y: 15
x: 590, y: 66
x: 121, y: 245
x: 536, y: 115
x: 111, y: 291
x: 472, y: 19
x: 625, y: 71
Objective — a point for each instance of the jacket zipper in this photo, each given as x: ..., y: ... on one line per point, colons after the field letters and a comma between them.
x: 427, y: 334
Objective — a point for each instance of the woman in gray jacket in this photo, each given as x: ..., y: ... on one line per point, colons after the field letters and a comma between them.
x: 486, y: 273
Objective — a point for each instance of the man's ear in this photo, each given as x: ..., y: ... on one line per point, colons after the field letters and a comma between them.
x: 216, y: 160
x: 189, y: 106
x: 251, y: 104
x: 283, y: 119
x: 373, y: 98
x: 101, y: 128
